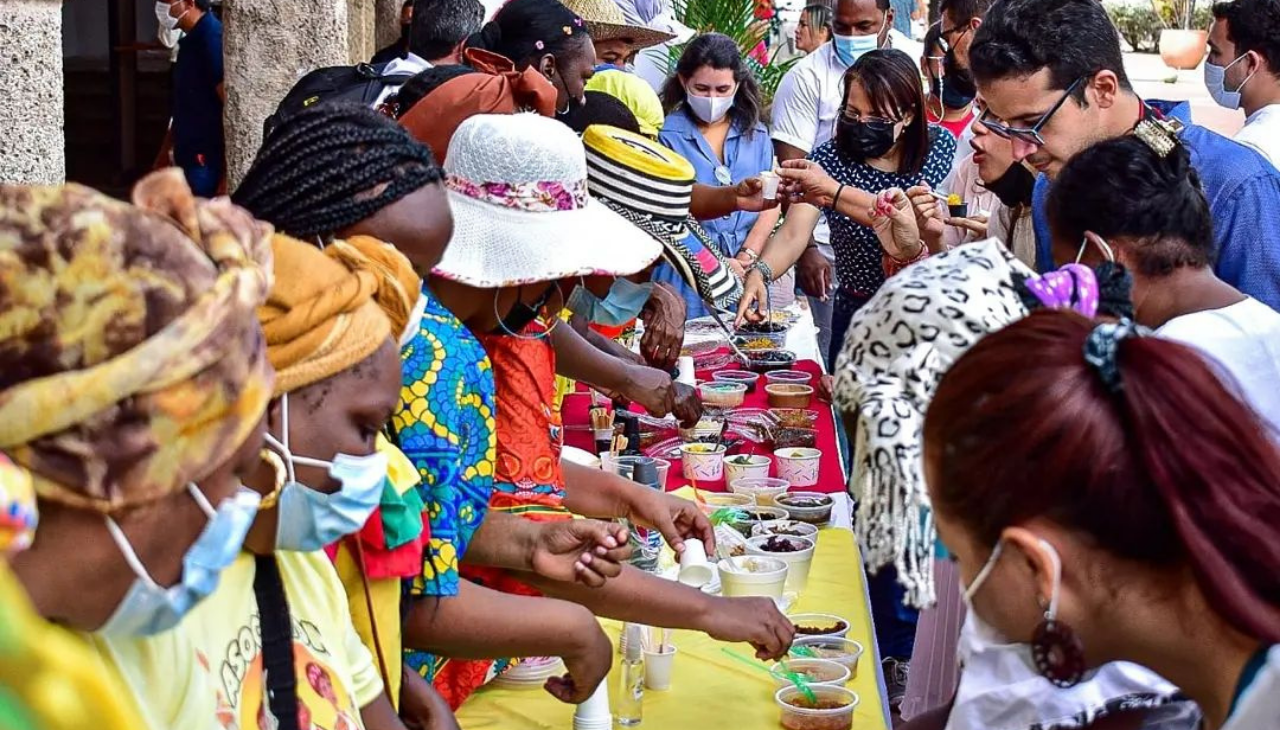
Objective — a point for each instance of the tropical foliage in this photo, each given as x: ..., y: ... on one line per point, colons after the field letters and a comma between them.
x: 736, y: 19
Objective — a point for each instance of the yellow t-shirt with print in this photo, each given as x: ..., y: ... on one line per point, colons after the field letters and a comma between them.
x: 207, y: 672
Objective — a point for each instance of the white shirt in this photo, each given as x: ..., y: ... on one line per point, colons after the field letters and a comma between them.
x: 1244, y: 339
x: 411, y: 64
x: 1259, y: 706
x: 1262, y: 132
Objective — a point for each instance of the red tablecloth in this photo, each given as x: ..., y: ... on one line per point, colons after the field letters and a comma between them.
x: 830, y: 470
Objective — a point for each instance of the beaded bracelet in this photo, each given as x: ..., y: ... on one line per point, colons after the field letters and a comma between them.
x: 765, y: 270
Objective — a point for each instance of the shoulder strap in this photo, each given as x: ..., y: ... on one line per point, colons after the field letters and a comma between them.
x: 277, y: 643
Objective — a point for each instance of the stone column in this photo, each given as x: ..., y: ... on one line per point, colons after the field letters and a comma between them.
x: 32, y: 147
x: 360, y: 30
x: 386, y: 18
x: 267, y: 46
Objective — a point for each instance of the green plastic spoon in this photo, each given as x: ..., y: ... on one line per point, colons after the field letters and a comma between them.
x: 792, y: 677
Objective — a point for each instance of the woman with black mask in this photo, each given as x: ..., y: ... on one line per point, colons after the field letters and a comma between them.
x: 882, y: 141
x: 548, y: 36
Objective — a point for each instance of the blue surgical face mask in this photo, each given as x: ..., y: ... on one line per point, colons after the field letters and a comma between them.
x: 149, y: 608
x: 849, y: 48
x: 309, y: 519
x: 623, y: 303
x: 1215, y: 79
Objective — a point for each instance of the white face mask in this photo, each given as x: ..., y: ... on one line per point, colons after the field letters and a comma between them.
x: 1102, y: 245
x: 167, y: 21
x: 1215, y: 78
x: 710, y: 109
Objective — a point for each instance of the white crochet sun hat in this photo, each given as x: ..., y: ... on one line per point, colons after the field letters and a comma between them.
x: 517, y: 186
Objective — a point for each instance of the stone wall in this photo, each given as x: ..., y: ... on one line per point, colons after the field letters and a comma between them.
x: 386, y: 14
x: 32, y: 150
x: 269, y: 45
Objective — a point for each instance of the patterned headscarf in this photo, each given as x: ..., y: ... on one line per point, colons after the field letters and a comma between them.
x: 130, y: 363
x: 896, y: 351
x: 331, y: 309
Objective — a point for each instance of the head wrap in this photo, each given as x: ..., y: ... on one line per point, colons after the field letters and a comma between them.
x: 130, y: 364
x: 325, y: 312
x: 636, y: 93
x: 896, y: 351
x: 497, y: 89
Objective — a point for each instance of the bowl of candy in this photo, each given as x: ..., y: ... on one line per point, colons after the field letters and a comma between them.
x: 747, y: 518
x: 837, y: 649
x: 799, y: 377
x: 727, y: 395
x: 789, y: 528
x: 819, y: 624
x: 796, y: 552
x: 737, y: 376
x: 766, y: 361
x: 812, y: 671
x: 811, y: 507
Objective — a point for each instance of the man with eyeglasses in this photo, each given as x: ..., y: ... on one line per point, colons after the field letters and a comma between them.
x: 1052, y: 76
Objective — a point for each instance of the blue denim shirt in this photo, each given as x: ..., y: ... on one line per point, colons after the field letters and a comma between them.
x: 1244, y: 197
x: 744, y: 156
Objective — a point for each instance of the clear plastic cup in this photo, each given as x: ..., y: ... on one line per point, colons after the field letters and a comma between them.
x: 770, y: 180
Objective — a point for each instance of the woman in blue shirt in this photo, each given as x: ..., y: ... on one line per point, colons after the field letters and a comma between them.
x: 713, y: 120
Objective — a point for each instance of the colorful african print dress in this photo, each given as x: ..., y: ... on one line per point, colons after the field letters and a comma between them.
x: 445, y: 425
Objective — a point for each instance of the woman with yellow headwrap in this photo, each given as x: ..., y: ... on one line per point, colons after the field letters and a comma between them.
x: 133, y: 381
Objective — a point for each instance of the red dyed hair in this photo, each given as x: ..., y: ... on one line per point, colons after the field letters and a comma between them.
x: 1171, y: 470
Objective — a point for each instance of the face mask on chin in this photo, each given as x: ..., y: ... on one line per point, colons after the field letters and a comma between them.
x: 623, y: 303
x: 1014, y: 187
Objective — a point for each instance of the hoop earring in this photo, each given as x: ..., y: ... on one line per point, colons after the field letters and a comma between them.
x: 1055, y: 647
x: 541, y: 335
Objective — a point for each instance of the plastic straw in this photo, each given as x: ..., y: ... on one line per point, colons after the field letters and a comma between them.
x: 790, y: 676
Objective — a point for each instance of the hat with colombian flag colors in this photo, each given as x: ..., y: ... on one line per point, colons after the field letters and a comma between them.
x: 652, y: 187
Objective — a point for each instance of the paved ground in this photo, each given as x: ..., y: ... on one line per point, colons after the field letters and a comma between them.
x: 1153, y: 80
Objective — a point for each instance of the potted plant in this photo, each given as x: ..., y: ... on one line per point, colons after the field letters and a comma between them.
x: 1182, y: 44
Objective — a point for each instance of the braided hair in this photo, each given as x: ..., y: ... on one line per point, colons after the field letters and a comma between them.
x: 331, y: 166
x: 525, y: 30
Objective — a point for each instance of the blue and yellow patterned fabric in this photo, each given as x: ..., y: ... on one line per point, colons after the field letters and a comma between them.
x: 445, y: 425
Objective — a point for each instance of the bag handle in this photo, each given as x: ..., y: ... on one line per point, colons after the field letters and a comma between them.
x: 279, y: 672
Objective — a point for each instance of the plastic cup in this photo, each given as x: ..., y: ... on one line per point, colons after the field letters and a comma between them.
x: 798, y: 465
x: 657, y: 669
x: 643, y: 469
x: 770, y: 180
x: 594, y: 713
x: 694, y: 569
x: 703, y: 462
x: 664, y: 470
x: 684, y: 366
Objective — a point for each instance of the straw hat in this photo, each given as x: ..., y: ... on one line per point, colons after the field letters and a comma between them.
x: 517, y: 187
x: 651, y: 186
x: 605, y: 22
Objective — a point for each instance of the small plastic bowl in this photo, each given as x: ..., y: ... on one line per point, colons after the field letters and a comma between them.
x: 789, y: 395
x: 838, y: 650
x: 814, y: 671
x: 789, y: 528
x: 707, y: 428
x: 758, y: 340
x: 789, y: 376
x: 757, y: 515
x: 763, y: 489
x: 713, y: 502
x: 811, y: 507
x: 767, y: 361
x: 797, y: 716
x: 744, y: 466
x: 737, y: 376
x: 769, y: 580
x: 816, y: 623
x: 725, y: 395
x: 795, y: 417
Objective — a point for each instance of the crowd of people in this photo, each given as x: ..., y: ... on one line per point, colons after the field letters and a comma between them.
x: 1061, y: 393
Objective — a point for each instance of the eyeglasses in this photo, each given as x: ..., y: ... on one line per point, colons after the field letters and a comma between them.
x: 944, y: 35
x: 1030, y: 135
x: 856, y: 117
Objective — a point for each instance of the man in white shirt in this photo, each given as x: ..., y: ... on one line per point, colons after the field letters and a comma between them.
x: 805, y: 108
x: 1243, y: 69
x: 436, y: 36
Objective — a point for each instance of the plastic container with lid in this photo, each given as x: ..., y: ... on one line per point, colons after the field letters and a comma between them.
x: 834, y: 711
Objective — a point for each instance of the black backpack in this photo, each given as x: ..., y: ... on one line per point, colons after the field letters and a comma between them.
x: 362, y: 83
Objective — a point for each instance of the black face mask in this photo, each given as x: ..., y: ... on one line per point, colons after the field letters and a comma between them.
x: 863, y: 140
x: 958, y: 87
x: 521, y: 314
x: 1014, y: 186
x: 935, y: 87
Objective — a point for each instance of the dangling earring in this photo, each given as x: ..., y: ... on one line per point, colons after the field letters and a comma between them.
x: 1055, y: 648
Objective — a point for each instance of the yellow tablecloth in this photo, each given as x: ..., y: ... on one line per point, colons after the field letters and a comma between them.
x: 710, y: 690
